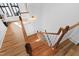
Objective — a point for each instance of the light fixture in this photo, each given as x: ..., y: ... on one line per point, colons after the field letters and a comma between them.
x: 33, y: 18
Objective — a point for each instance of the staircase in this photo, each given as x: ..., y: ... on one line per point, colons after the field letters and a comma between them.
x: 38, y: 47
x: 41, y: 47
x: 13, y: 45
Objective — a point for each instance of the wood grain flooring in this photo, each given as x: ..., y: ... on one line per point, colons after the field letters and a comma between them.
x: 13, y: 44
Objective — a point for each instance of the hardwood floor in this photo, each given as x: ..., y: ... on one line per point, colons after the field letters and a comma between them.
x: 13, y: 44
x: 74, y: 51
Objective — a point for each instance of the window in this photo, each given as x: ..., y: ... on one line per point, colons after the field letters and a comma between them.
x: 15, y: 8
x: 10, y: 9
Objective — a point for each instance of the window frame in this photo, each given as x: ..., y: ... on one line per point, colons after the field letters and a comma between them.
x: 9, y: 8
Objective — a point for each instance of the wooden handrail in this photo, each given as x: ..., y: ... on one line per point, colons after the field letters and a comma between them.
x: 27, y: 45
x: 64, y: 31
x: 23, y: 29
x: 73, y: 26
x: 59, y: 31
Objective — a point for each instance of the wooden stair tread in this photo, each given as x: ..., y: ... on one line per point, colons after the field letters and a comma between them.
x: 64, y: 50
x: 42, y: 51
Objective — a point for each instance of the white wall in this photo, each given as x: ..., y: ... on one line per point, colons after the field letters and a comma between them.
x: 3, y: 30
x: 59, y: 15
x: 34, y: 9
